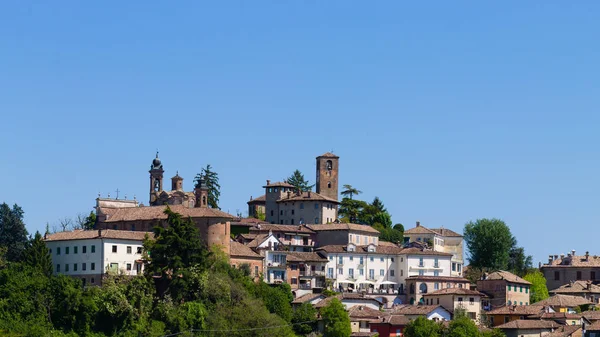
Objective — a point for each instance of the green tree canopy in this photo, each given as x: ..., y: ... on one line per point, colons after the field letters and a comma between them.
x: 37, y: 255
x: 297, y: 179
x: 351, y: 210
x: 349, y: 191
x: 422, y: 327
x: 462, y: 327
x: 13, y: 234
x: 518, y: 262
x: 210, y: 179
x: 303, y: 314
x: 336, y: 320
x: 538, y: 290
x: 90, y: 221
x: 489, y: 242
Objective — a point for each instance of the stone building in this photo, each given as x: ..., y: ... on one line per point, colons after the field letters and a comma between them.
x: 570, y: 267
x: 283, y: 204
x: 504, y: 288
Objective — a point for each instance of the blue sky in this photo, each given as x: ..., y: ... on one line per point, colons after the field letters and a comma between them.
x: 448, y: 111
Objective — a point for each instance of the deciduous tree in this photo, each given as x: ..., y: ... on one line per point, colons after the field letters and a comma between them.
x: 305, y: 319
x: 422, y: 327
x: 335, y: 317
x: 489, y: 242
x: 538, y: 290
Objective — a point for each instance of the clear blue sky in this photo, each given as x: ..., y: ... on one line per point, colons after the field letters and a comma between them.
x: 448, y: 111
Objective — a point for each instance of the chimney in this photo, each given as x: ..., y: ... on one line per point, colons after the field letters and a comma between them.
x: 289, y: 194
x: 587, y: 255
x: 418, y: 224
x: 562, y: 256
x: 268, y: 182
x: 100, y: 232
x: 573, y: 252
x: 556, y: 257
x: 550, y: 259
x: 250, y: 198
x: 309, y: 194
x: 299, y: 227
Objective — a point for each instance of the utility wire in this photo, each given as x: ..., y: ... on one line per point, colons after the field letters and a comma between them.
x: 237, y: 330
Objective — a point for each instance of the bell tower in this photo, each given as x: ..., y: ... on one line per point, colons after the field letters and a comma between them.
x: 327, y: 175
x: 201, y: 193
x: 156, y: 179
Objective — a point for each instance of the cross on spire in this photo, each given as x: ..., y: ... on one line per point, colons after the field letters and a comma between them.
x: 117, y: 193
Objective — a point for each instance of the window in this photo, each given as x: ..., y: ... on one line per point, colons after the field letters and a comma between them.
x: 421, y: 272
x: 381, y: 259
x: 128, y: 266
x: 351, y: 272
x: 84, y: 249
x: 436, y: 273
x: 340, y: 271
x: 371, y: 274
x: 592, y: 275
x: 330, y: 272
x: 281, y: 212
x: 361, y: 272
x: 67, y: 250
x: 316, y: 206
x: 556, y: 275
x: 350, y: 237
x: 453, y: 266
x: 460, y: 299
x: 294, y: 280
x: 114, y: 248
x: 579, y: 275
x: 57, y: 250
x: 271, y: 212
x: 520, y: 289
x: 74, y: 266
x: 133, y: 227
x: 436, y: 263
x: 301, y: 205
x: 83, y: 266
x: 294, y: 266
x: 392, y: 259
x: 420, y: 262
x: 509, y: 287
x: 520, y: 303
x: 58, y: 268
x: 66, y: 267
x: 398, y: 332
x: 438, y: 300
x: 139, y: 250
x: 255, y: 270
x: 351, y: 258
x: 448, y: 285
x: 436, y: 286
x: 372, y: 259
x: 391, y: 272
x: 75, y: 250
x: 93, y: 248
x: 92, y: 266
x: 381, y: 272
x: 92, y: 280
x: 128, y: 249
x: 509, y: 302
x: 472, y: 300
x: 331, y: 258
x: 317, y: 220
x: 401, y: 272
x: 340, y: 260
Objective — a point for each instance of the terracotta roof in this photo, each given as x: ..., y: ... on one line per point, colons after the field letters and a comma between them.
x: 361, y: 312
x: 304, y: 196
x: 305, y: 257
x: 555, y: 316
x: 396, y: 320
x: 575, y: 261
x: 560, y: 300
x: 328, y: 155
x: 419, y: 230
x: 80, y: 234
x: 505, y: 275
x: 577, y: 287
x: 238, y: 249
x: 343, y: 227
x: 523, y: 324
x: 279, y: 184
x: 594, y: 326
x: 158, y: 213
x: 455, y: 291
x: 306, y: 298
x: 257, y: 240
x: 438, y: 279
x: 565, y: 331
x: 248, y: 221
x: 415, y: 309
x: 384, y: 250
x: 419, y: 251
x: 262, y: 199
x: 248, y: 236
x: 521, y: 310
x: 265, y: 228
x: 591, y: 315
x: 446, y: 232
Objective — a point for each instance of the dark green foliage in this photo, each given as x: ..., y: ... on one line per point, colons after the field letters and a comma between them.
x: 37, y: 255
x: 13, y: 234
x: 210, y: 179
x: 349, y: 191
x: 90, y: 221
x: 304, y: 313
x: 422, y: 327
x: 489, y: 242
x: 298, y: 181
x: 351, y: 210
x: 462, y: 327
x: 277, y: 299
x: 518, y: 262
x: 336, y: 320
x: 493, y: 333
x: 538, y: 290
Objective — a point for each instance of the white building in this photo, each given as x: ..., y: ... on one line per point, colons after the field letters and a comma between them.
x: 89, y: 254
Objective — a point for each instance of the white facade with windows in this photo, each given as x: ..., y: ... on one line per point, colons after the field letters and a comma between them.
x: 88, y: 254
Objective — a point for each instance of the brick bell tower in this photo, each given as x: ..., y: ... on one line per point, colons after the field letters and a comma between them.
x: 156, y: 179
x: 327, y: 175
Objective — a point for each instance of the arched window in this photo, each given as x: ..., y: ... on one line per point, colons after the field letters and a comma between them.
x: 204, y: 200
x: 329, y: 184
x: 329, y: 165
x: 423, y: 288
x: 412, y: 289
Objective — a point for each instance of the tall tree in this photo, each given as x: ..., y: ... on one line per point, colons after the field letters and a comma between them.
x: 89, y: 221
x: 518, y: 262
x: 378, y: 205
x: 297, y: 179
x: 305, y: 319
x: 175, y: 249
x: 37, y: 255
x: 350, y: 191
x: 13, y: 234
x: 489, y: 242
x: 538, y: 290
x: 335, y: 317
x: 462, y: 327
x: 211, y: 180
x: 422, y: 327
x: 351, y: 210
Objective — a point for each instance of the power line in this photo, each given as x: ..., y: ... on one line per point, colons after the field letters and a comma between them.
x: 237, y: 330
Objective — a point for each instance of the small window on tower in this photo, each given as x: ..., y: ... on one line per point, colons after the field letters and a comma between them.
x: 329, y: 184
x: 329, y: 165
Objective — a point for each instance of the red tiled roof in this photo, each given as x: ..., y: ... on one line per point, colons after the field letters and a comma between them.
x: 80, y: 234
x: 574, y: 261
x: 238, y: 249
x: 555, y: 315
x: 261, y: 200
x: 419, y: 230
x: 158, y: 213
x: 361, y: 312
x: 265, y: 228
x: 305, y: 257
x: 523, y: 324
x: 577, y: 287
x: 344, y: 296
x: 343, y: 227
x: 564, y: 301
x: 279, y: 184
x: 521, y: 310
x: 455, y: 291
x: 505, y: 275
x: 328, y: 155
x: 565, y: 331
x: 306, y: 298
x: 591, y: 315
x: 446, y: 232
x: 416, y: 309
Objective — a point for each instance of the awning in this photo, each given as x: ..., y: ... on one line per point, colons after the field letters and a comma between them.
x: 365, y: 282
x: 344, y: 281
x: 388, y: 282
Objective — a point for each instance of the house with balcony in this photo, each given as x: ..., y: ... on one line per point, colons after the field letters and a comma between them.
x: 344, y: 233
x: 275, y: 266
x: 305, y: 271
x: 457, y: 298
x: 298, y: 238
x: 440, y: 240
x: 417, y: 286
x: 90, y: 254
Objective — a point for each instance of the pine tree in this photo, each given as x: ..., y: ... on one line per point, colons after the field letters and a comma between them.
x: 211, y: 181
x: 298, y: 181
x: 37, y: 255
x: 13, y: 234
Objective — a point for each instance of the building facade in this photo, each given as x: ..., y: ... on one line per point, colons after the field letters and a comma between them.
x: 562, y: 269
x: 504, y: 288
x: 457, y: 298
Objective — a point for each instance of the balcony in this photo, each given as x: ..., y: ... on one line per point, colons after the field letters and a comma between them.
x: 311, y: 273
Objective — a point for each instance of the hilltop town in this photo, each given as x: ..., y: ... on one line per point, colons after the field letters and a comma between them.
x: 306, y: 245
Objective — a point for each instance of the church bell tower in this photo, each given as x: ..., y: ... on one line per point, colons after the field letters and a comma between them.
x: 327, y: 175
x: 156, y: 179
